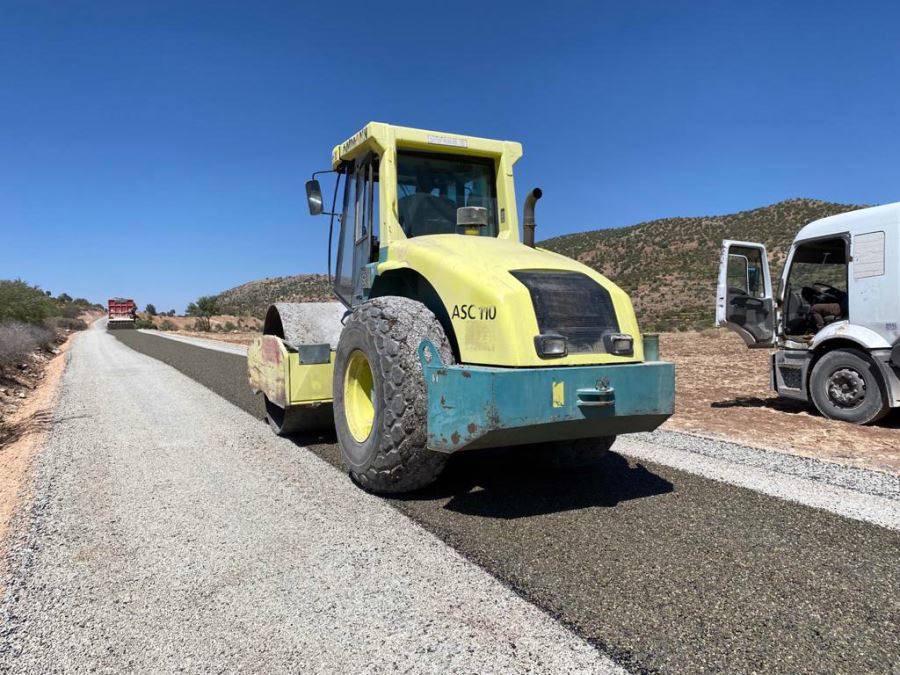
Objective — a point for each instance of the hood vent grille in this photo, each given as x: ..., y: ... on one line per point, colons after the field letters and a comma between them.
x: 573, y: 305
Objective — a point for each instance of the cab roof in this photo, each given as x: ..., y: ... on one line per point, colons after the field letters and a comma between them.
x: 379, y: 137
x: 861, y: 220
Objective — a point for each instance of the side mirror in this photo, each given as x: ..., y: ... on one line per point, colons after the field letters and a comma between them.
x: 314, y: 197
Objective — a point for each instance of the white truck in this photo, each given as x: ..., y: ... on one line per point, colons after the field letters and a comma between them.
x: 835, y: 320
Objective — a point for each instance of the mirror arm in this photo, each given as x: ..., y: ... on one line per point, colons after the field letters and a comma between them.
x: 334, y: 200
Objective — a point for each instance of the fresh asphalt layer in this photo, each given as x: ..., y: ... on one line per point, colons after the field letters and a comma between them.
x: 661, y: 569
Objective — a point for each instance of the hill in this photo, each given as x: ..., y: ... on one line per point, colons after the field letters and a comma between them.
x: 669, y: 266
x: 254, y: 297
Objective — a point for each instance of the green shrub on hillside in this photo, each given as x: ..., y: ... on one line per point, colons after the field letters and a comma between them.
x: 20, y: 301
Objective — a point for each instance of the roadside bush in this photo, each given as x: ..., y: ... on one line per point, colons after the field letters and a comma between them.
x: 21, y: 302
x: 200, y: 326
x: 168, y: 325
x: 70, y: 311
x: 144, y: 323
x: 229, y: 326
x: 67, y: 323
x: 18, y: 340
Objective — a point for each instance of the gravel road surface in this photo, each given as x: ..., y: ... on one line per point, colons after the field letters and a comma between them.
x: 171, y: 531
x: 661, y: 568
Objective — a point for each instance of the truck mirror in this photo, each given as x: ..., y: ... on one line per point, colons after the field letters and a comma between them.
x: 314, y: 197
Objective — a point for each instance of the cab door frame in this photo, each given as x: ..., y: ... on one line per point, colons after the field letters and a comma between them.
x: 355, y: 235
x: 760, y: 331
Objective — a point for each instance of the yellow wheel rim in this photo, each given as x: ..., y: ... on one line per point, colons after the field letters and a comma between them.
x: 359, y: 396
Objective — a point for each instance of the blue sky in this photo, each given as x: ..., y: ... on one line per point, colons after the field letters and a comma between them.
x: 158, y: 149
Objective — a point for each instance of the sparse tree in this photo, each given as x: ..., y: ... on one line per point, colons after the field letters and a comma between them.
x: 64, y: 297
x: 203, y: 309
x: 151, y: 310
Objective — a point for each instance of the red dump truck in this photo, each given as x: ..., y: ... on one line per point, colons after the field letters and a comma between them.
x: 122, y: 313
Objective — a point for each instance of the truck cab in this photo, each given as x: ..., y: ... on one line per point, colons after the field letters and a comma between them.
x: 834, y: 318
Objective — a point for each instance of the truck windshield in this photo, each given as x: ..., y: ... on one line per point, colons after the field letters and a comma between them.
x: 430, y: 187
x: 816, y: 292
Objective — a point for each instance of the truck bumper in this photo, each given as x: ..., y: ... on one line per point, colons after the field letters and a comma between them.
x: 479, y: 406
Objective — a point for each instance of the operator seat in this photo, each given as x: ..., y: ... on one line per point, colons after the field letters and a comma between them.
x: 425, y: 213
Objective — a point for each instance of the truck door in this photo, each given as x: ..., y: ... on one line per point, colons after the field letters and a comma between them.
x: 744, y: 299
x: 355, y: 239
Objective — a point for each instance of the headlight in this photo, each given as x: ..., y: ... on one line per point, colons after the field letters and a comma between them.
x: 551, y: 346
x: 619, y: 344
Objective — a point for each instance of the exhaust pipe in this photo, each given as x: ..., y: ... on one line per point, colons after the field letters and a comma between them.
x: 528, y: 214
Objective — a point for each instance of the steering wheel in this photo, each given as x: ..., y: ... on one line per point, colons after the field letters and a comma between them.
x: 747, y: 302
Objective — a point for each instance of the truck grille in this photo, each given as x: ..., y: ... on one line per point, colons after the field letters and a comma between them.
x: 573, y: 305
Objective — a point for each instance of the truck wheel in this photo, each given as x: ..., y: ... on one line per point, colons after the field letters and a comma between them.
x: 580, y: 453
x: 846, y: 385
x: 380, y: 401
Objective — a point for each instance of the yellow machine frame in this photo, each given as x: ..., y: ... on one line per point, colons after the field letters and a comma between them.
x: 488, y: 314
x: 470, y: 274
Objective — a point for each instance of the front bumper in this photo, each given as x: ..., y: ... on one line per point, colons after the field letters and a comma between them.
x: 482, y: 406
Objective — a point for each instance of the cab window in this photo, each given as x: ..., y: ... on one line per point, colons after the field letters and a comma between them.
x: 816, y: 290
x: 431, y: 187
x: 745, y: 272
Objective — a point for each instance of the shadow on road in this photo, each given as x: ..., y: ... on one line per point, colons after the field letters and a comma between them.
x: 892, y: 421
x: 779, y: 404
x: 498, y: 484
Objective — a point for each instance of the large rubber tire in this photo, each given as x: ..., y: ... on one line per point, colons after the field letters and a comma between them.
x: 581, y: 453
x: 393, y: 457
x: 846, y: 385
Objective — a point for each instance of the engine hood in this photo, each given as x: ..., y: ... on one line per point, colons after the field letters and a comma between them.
x: 491, y: 311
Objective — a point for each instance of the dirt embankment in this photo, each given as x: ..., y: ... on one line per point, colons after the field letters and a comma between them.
x: 722, y: 391
x: 25, y: 419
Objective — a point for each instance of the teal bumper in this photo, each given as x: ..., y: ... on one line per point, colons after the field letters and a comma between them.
x: 481, y: 406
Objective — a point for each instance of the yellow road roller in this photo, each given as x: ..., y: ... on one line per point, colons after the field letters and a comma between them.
x: 451, y: 331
